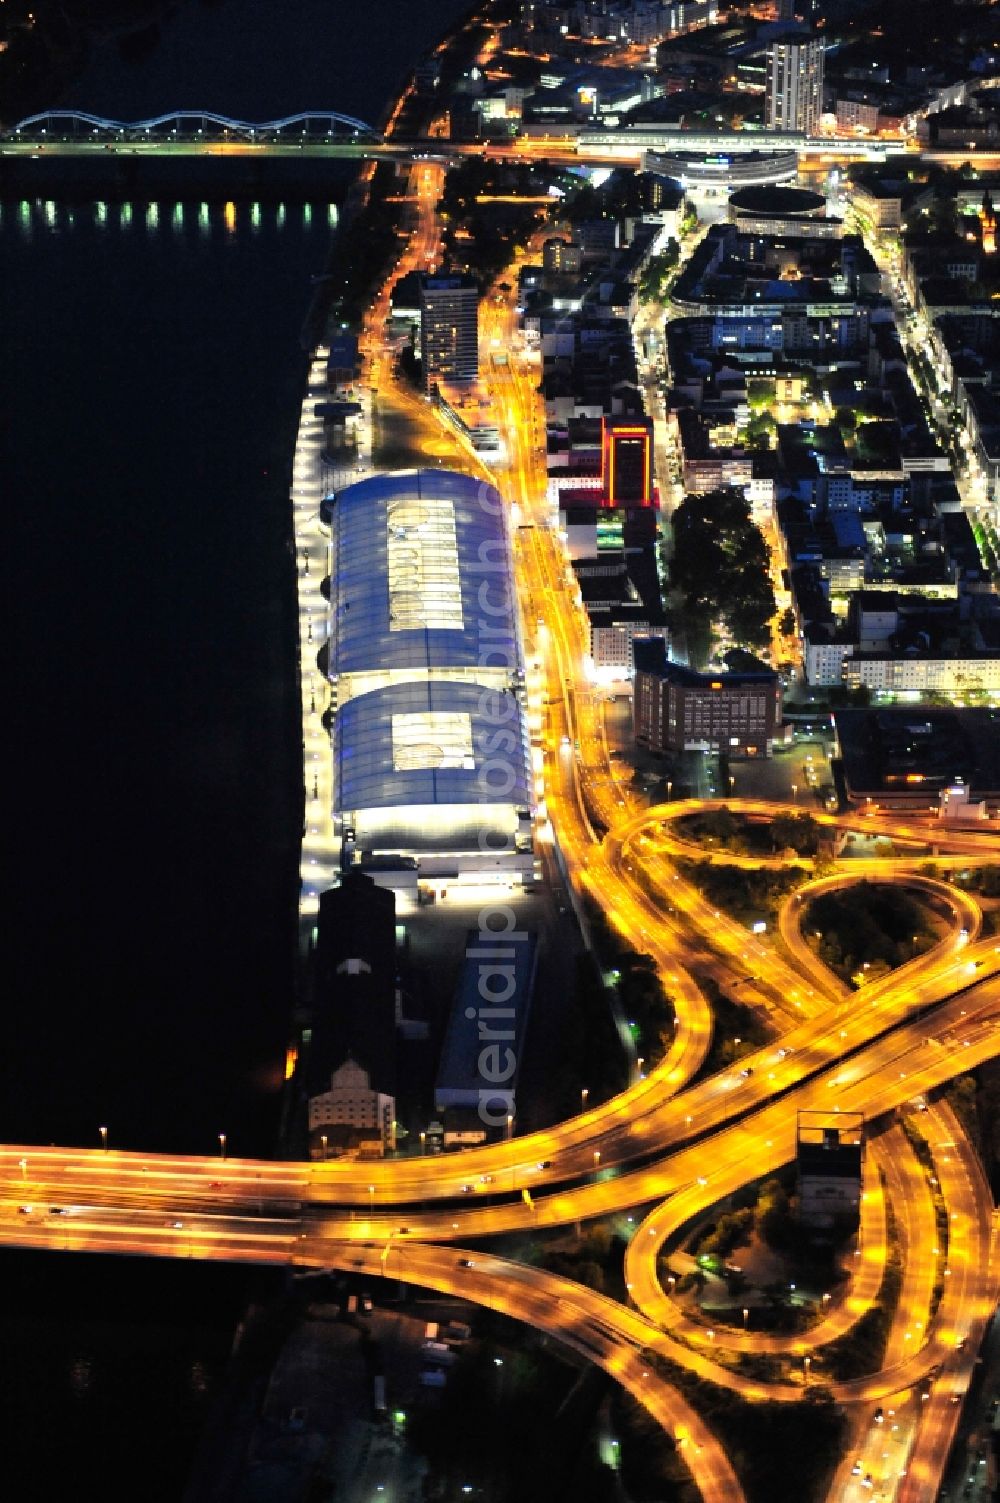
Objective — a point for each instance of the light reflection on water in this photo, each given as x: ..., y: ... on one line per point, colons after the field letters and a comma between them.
x: 34, y: 215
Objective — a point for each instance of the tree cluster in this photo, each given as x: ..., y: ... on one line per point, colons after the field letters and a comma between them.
x: 362, y: 248
x: 596, y: 1260
x: 985, y: 880
x: 509, y: 1428
x: 795, y: 832
x: 759, y: 429
x: 719, y: 572
x: 861, y: 1350
x: 984, y: 1110
x: 640, y: 991
x: 785, y: 832
x: 654, y: 281
x: 742, y: 892
x: 623, y: 194
x: 481, y: 237
x: 651, y: 1469
x: 878, y: 443
x: 646, y: 1004
x: 782, y: 1453
x: 737, y: 1029
x: 733, y: 1229
x: 869, y: 925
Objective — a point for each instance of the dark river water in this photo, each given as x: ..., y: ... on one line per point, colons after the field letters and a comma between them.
x: 149, y: 394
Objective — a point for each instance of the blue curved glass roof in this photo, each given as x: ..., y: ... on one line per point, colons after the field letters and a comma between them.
x: 420, y: 575
x: 430, y: 743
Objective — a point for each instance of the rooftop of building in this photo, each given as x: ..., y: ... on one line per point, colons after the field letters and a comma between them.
x: 650, y: 656
x: 893, y: 750
x: 448, y: 281
x: 777, y: 201
x: 627, y: 577
x: 426, y: 743
x: 409, y: 552
x: 461, y: 1067
x: 343, y: 351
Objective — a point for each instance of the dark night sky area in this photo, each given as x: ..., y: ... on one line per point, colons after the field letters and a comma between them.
x: 256, y: 59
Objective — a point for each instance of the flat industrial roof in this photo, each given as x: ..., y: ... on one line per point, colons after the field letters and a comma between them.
x: 461, y: 1078
x: 763, y: 198
x: 919, y: 749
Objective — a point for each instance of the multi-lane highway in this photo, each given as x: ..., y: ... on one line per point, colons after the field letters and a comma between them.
x: 836, y: 1049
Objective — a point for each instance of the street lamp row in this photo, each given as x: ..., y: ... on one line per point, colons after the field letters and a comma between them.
x: 104, y: 1144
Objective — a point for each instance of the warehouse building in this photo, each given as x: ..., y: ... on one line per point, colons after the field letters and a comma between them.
x: 476, y: 1087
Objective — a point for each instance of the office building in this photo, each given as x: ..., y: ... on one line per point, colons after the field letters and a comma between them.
x: 620, y: 592
x: 561, y: 257
x: 771, y: 211
x: 627, y: 471
x: 484, y: 1043
x: 794, y: 97
x: 911, y: 757
x: 609, y: 501
x: 449, y: 329
x: 676, y: 709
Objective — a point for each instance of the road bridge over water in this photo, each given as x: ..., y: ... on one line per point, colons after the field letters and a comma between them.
x: 60, y: 129
x: 329, y: 134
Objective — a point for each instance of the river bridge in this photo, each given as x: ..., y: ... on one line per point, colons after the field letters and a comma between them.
x: 330, y: 134
x: 186, y: 132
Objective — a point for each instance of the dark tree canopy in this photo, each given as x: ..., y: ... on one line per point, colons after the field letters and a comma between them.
x: 719, y: 571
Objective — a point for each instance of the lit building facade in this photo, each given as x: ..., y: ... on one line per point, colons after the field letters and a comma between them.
x: 612, y: 643
x: 915, y: 674
x: 794, y: 96
x: 352, y: 1104
x: 830, y: 1162
x: 619, y: 507
x: 449, y: 329
x: 353, y: 990
x: 627, y: 461
x: 676, y: 709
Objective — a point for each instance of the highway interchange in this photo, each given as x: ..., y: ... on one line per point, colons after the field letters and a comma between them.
x: 676, y: 1144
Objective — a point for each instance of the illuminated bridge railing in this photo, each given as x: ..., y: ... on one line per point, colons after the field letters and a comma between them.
x: 191, y: 125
